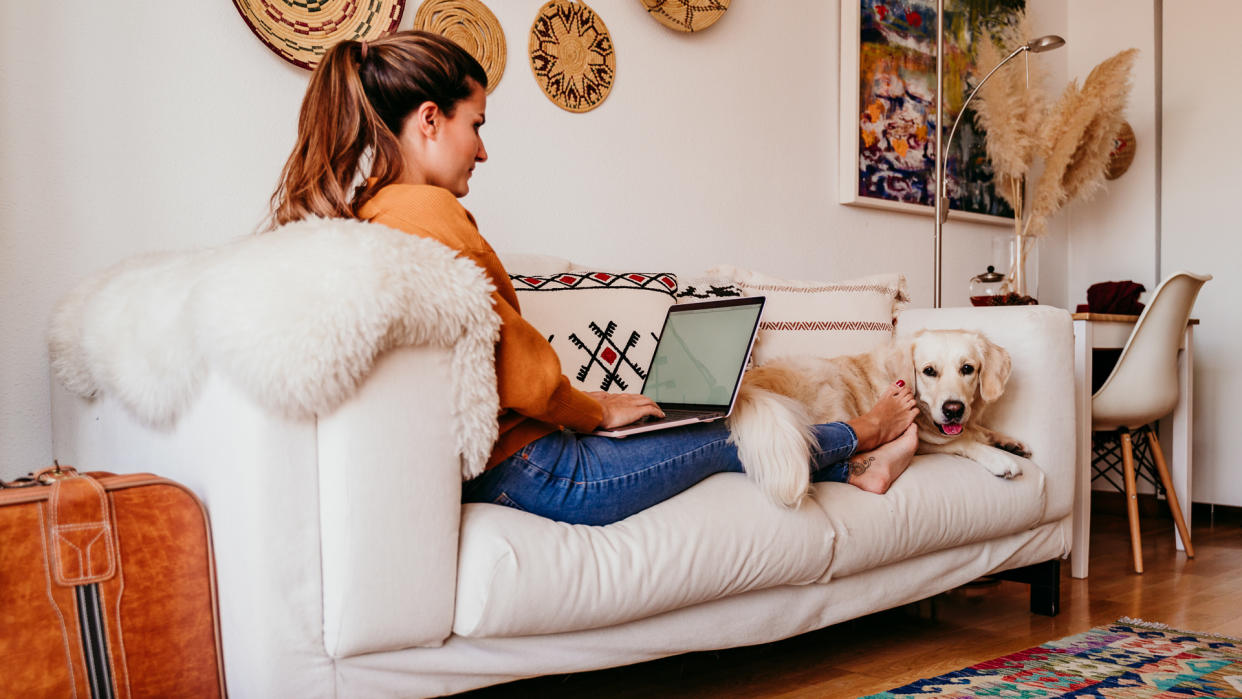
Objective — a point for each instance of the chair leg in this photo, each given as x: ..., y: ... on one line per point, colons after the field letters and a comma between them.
x: 1136, y: 539
x: 1174, y: 505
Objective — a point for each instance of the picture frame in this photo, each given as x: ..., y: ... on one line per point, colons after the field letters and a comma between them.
x: 887, y: 111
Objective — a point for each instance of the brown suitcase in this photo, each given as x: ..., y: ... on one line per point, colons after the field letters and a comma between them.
x: 107, y: 588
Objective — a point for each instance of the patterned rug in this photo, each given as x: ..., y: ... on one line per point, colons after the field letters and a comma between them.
x: 1130, y: 658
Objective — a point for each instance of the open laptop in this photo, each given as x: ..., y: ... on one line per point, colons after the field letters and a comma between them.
x: 697, y: 366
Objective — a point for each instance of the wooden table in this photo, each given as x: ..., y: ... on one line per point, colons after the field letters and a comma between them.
x: 1103, y: 331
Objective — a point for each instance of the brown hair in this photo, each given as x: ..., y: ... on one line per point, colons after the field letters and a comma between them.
x: 358, y: 98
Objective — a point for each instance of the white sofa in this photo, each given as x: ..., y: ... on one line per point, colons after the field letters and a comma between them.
x: 348, y: 567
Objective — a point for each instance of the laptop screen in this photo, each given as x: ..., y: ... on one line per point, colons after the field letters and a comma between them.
x: 702, y: 352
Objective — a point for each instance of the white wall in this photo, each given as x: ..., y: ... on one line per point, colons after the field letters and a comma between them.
x: 1200, y: 229
x: 1113, y: 236
x: 133, y: 126
x: 124, y: 127
x: 1175, y: 213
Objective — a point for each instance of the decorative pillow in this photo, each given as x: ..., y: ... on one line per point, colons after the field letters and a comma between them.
x: 603, y: 325
x: 825, y: 319
x: 706, y: 288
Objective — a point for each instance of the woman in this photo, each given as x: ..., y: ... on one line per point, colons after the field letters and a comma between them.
x: 407, y: 110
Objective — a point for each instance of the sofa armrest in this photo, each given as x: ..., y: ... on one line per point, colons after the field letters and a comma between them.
x: 1038, y: 405
x: 390, y: 507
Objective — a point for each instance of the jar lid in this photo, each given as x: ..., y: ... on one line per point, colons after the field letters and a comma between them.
x: 989, y: 276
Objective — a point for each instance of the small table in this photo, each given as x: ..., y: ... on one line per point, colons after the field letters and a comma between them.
x: 1103, y: 331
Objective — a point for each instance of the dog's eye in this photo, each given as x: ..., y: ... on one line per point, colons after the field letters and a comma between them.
x: 967, y: 370
x: 929, y: 371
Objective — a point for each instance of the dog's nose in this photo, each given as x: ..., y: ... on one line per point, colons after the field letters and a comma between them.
x: 953, y: 409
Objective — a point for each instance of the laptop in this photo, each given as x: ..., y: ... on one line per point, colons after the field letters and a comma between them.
x: 697, y: 366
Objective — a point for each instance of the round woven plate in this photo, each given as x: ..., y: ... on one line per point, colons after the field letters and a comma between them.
x: 301, y: 31
x: 470, y: 25
x: 686, y: 15
x: 572, y: 56
x: 1123, y: 152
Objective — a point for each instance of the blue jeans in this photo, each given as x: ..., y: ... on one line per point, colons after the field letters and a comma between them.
x: 583, y: 479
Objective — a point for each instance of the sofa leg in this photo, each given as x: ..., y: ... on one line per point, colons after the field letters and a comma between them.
x: 1045, y: 581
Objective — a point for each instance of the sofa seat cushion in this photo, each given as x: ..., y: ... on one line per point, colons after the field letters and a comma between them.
x: 941, y: 501
x: 519, y: 574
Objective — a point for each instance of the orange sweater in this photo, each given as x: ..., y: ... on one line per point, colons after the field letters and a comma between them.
x: 535, y: 397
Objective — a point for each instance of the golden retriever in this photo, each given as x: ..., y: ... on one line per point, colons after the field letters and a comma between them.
x: 955, y: 374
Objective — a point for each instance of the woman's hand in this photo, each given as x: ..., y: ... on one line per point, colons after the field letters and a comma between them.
x: 623, y: 408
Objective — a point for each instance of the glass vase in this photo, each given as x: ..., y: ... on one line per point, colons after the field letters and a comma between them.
x: 1018, y: 256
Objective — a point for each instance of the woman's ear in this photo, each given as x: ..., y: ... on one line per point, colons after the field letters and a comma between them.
x: 995, y: 371
x: 426, y: 119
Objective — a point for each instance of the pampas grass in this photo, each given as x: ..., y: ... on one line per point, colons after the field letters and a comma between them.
x: 1074, y: 136
x: 1010, y: 111
x: 1077, y: 137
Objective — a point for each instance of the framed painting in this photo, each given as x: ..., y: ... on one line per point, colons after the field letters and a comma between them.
x: 888, y: 106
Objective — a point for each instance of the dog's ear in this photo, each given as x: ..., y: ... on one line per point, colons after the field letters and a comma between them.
x: 994, y: 373
x: 899, y: 361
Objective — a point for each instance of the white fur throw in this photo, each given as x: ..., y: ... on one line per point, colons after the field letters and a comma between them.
x: 294, y: 318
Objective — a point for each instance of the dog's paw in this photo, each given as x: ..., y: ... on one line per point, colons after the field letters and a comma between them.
x: 1000, y: 464
x: 1013, y: 447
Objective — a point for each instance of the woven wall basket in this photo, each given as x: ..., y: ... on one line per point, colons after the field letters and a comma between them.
x: 470, y: 25
x: 1122, y: 155
x: 572, y: 56
x: 300, y: 32
x: 686, y: 15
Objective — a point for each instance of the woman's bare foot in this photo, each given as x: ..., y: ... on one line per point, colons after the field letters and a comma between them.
x: 874, y: 471
x: 887, y: 420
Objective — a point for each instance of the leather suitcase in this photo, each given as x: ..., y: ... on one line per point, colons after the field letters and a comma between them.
x: 107, y: 588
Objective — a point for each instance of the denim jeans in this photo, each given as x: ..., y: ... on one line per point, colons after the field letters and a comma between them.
x: 584, y: 479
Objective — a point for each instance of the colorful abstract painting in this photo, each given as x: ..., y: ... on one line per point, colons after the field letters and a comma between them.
x: 889, y: 105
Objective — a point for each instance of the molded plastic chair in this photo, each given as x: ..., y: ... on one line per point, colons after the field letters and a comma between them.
x: 1143, y: 387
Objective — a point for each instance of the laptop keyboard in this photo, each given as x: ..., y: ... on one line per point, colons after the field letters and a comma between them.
x: 674, y: 415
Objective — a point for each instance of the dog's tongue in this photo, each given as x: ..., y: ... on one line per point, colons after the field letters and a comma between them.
x: 951, y: 429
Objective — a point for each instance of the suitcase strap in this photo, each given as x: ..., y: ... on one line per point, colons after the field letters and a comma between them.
x: 79, y: 529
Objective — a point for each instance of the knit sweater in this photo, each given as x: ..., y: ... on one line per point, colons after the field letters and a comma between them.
x: 536, y: 399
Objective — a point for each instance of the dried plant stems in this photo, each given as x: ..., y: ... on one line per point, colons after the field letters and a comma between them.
x: 1009, y: 108
x: 1077, y: 136
x: 1074, y: 136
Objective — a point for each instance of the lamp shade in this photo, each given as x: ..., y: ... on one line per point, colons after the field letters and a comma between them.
x: 1045, y: 43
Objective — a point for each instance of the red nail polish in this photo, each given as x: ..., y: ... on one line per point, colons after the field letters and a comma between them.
x: 900, y: 383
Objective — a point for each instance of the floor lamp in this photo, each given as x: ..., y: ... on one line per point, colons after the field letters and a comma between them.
x: 1043, y: 43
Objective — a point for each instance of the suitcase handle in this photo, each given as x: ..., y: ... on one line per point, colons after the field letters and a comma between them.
x: 44, y: 477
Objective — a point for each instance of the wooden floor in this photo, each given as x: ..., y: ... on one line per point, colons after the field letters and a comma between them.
x: 962, y: 627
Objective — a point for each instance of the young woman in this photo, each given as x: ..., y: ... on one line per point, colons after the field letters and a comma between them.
x: 405, y: 112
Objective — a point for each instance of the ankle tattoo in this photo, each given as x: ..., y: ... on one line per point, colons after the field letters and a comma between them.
x: 857, y: 468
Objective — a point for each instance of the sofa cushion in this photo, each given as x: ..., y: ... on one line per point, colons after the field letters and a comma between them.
x: 603, y: 325
x: 941, y: 501
x: 520, y: 574
x: 693, y: 288
x: 820, y: 318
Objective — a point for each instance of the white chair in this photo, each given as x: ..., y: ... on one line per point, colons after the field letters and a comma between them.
x: 1143, y: 387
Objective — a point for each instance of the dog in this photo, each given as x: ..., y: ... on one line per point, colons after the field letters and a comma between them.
x: 955, y: 374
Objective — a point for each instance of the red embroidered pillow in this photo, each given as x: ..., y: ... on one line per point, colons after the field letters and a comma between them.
x: 603, y: 325
x: 825, y: 319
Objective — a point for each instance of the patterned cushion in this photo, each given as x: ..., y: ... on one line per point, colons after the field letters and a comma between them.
x: 826, y: 319
x: 707, y: 288
x: 603, y: 325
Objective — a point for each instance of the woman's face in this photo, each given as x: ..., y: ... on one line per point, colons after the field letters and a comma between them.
x: 446, y: 154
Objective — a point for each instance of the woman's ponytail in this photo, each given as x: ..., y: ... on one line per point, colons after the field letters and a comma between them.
x: 354, y: 109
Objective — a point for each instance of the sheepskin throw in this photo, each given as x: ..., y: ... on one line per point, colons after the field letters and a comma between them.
x: 294, y: 318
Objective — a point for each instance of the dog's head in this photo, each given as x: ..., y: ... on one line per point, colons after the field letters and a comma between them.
x: 956, y: 374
